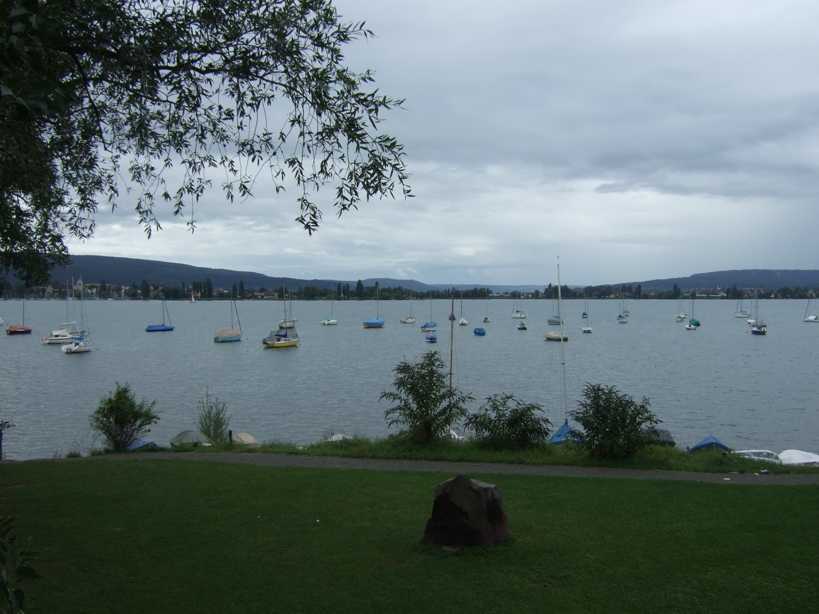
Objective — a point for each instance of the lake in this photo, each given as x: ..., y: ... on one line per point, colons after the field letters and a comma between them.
x: 749, y: 391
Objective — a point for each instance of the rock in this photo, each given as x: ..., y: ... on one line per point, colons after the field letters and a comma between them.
x: 466, y: 513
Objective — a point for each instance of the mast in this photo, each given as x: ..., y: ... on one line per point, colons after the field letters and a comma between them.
x: 451, y: 339
x: 562, y: 348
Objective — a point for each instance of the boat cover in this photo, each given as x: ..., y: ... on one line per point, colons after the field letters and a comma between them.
x: 709, y: 443
x: 562, y: 435
x: 798, y: 457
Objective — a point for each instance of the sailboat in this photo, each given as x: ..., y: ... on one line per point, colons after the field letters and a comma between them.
x: 430, y: 325
x: 19, y: 329
x: 518, y: 314
x: 741, y: 312
x: 555, y: 335
x: 462, y: 321
x: 758, y: 327
x: 585, y: 314
x: 285, y: 336
x: 66, y: 332
x: 681, y: 315
x: 79, y: 344
x: 331, y: 321
x: 622, y: 317
x: 693, y: 323
x: 555, y: 319
x: 409, y: 319
x: 377, y: 321
x: 587, y: 329
x: 232, y: 333
x: 811, y: 318
x: 564, y: 432
x: 486, y: 319
x: 165, y: 326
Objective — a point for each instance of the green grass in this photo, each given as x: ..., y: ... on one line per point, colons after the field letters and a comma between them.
x: 652, y: 457
x: 175, y: 536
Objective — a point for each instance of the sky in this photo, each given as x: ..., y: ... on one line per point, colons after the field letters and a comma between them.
x: 634, y: 140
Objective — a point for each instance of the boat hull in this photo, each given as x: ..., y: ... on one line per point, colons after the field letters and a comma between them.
x: 18, y: 329
x: 280, y: 344
x: 227, y: 339
x: 373, y: 324
x: 158, y: 328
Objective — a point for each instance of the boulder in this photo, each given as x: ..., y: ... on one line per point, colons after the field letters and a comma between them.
x: 466, y: 512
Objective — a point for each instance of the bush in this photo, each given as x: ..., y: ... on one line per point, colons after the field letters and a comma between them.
x: 121, y: 420
x: 425, y: 405
x: 506, y: 422
x: 612, y: 422
x: 213, y: 419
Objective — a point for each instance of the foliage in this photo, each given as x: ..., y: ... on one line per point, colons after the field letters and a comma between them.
x: 424, y: 403
x: 504, y: 421
x: 101, y: 93
x: 214, y: 420
x: 15, y: 568
x: 121, y: 420
x: 612, y: 422
x: 4, y: 426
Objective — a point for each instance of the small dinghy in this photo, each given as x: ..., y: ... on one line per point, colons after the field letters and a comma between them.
x: 479, y: 332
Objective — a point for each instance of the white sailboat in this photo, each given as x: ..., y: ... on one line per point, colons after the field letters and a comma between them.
x: 79, y: 344
x: 681, y: 315
x: 486, y: 319
x: 409, y: 318
x: 67, y: 331
x: 555, y: 335
x: 759, y: 327
x: 556, y: 319
x: 587, y: 329
x: 811, y: 318
x: 741, y: 312
x: 518, y: 314
x: 331, y: 321
x: 285, y: 336
x: 462, y: 321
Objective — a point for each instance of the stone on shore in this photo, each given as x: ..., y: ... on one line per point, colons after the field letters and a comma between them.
x: 466, y: 512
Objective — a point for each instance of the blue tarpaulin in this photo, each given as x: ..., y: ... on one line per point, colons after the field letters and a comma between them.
x: 562, y: 435
x: 709, y: 443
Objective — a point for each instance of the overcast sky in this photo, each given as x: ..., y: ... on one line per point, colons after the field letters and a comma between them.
x: 634, y: 139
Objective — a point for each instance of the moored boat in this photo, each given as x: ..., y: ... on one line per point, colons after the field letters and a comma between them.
x: 165, y: 326
x: 479, y: 332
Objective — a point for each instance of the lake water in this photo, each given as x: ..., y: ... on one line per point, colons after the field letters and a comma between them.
x: 749, y: 391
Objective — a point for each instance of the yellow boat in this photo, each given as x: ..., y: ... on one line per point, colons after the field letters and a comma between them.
x: 280, y: 343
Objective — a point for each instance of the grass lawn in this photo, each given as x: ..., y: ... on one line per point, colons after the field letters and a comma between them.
x: 175, y: 536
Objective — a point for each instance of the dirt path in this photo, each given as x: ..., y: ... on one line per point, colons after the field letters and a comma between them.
x: 333, y: 462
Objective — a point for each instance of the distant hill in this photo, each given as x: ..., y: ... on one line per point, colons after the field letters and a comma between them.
x: 123, y: 271
x: 741, y: 278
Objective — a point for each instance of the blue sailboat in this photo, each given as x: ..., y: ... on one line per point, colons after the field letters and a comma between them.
x: 377, y: 321
x: 479, y: 331
x: 164, y: 326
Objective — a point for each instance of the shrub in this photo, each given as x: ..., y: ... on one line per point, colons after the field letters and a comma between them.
x: 424, y: 403
x: 612, y: 422
x: 506, y: 422
x: 213, y: 419
x: 15, y: 568
x: 121, y: 420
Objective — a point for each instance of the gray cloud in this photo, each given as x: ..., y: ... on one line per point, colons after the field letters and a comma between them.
x: 636, y: 139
